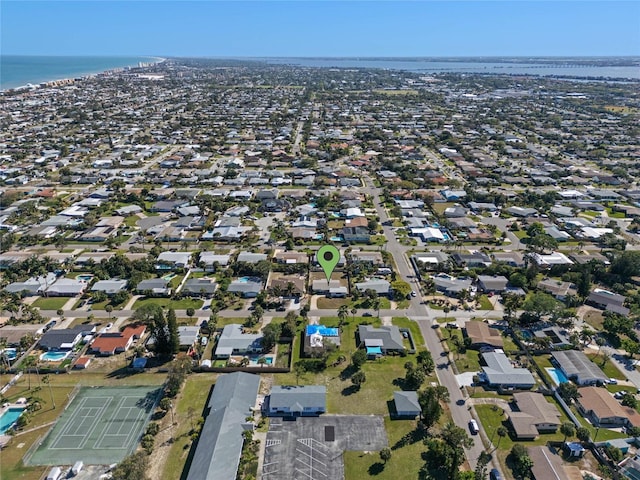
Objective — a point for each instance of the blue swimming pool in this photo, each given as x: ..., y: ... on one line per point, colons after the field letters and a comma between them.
x: 9, y: 417
x: 556, y: 375
x: 84, y: 277
x: 322, y: 330
x: 53, y: 356
x: 10, y: 353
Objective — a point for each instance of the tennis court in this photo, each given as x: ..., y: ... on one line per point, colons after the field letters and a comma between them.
x: 101, y: 425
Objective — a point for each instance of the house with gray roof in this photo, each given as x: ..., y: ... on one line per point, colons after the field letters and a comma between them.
x: 61, y: 339
x: 246, y: 287
x: 33, y: 285
x: 521, y: 211
x: 380, y: 340
x: 500, y: 373
x: 249, y: 257
x: 210, y: 259
x: 233, y: 341
x: 407, y: 404
x: 217, y: 455
x: 609, y: 301
x: 157, y: 286
x: 534, y: 416
x: 492, y: 283
x: 429, y: 260
x: 451, y: 285
x: 297, y: 400
x: 577, y: 367
x: 378, y: 285
x: 204, y: 287
x: 188, y: 335
x: 110, y: 287
x: 66, y: 287
x: 172, y: 260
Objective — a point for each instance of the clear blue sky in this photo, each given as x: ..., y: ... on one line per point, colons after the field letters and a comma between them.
x: 320, y: 28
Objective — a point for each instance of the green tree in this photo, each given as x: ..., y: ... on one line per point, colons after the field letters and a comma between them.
x: 480, y: 472
x: 270, y: 336
x: 521, y: 462
x: 160, y: 333
x: 502, y: 432
x: 385, y: 455
x: 146, y: 313
x: 568, y: 391
x: 583, y: 434
x: 358, y: 358
x: 174, y: 335
x: 540, y: 304
x: 108, y: 309
x: 430, y: 400
x: 456, y: 440
x: 614, y: 453
x: 358, y: 378
x: 401, y: 290
x: 343, y: 311
x: 568, y: 429
x: 190, y: 312
x: 629, y: 400
x: 132, y: 467
x: 425, y: 360
x: 414, y: 377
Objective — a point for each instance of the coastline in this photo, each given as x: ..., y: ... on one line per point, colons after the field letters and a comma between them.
x: 36, y: 81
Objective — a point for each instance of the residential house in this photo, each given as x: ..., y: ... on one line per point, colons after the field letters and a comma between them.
x: 110, y: 287
x: 107, y: 344
x: 188, y: 335
x: 577, y: 367
x: 288, y: 285
x: 500, y: 373
x: 514, y: 259
x: 211, y: 260
x: 598, y: 405
x: 549, y: 466
x: 202, y: 286
x: 233, y: 341
x: 356, y: 235
x: 534, y: 416
x: 609, y: 301
x: 173, y: 260
x: 290, y: 257
x: 217, y: 454
x: 451, y: 286
x: 61, y: 339
x: 250, y: 257
x: 297, y: 401
x: 521, y: 211
x: 406, y: 404
x: 482, y: 335
x: 33, y: 285
x: 247, y: 287
x: 66, y: 287
x: 332, y: 289
x: 492, y: 283
x: 154, y: 286
x: 558, y: 289
x: 380, y: 286
x: 378, y: 341
x: 429, y: 260
x: 549, y: 260
x: 471, y: 260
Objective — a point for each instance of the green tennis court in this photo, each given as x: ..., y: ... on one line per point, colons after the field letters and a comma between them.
x: 100, y: 426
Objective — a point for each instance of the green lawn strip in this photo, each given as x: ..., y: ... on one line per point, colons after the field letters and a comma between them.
x: 466, y: 362
x: 404, y: 322
x: 520, y: 234
x: 405, y: 461
x: 331, y: 303
x: 609, y: 369
x: 509, y: 345
x: 50, y: 303
x: 484, y: 302
x: 189, y: 408
x: 180, y: 304
x: 595, y: 319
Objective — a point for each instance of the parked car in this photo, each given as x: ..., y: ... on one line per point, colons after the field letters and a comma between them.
x: 413, y: 293
x: 494, y: 474
x: 613, y: 381
x: 473, y: 427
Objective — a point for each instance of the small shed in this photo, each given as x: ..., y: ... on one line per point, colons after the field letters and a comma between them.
x: 77, y: 467
x: 139, y: 363
x: 407, y: 404
x: 575, y: 449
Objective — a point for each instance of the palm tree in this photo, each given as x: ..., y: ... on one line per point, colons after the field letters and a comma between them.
x: 354, y: 310
x: 343, y: 311
x: 502, y: 432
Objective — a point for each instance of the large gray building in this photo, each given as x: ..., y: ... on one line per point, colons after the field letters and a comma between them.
x: 217, y: 455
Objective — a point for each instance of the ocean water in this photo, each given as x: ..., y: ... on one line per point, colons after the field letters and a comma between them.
x: 18, y: 70
x: 571, y: 69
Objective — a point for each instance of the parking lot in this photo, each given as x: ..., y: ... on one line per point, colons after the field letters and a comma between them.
x: 311, y: 448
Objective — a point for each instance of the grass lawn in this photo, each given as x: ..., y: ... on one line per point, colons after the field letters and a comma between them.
x: 609, y: 369
x: 405, y: 459
x: 466, y: 362
x: 189, y: 407
x: 374, y: 394
x: 180, y: 304
x: 484, y: 302
x: 602, y: 433
x: 613, y: 214
x: 595, y: 319
x: 520, y: 234
x: 332, y: 303
x: 404, y: 322
x: 50, y: 303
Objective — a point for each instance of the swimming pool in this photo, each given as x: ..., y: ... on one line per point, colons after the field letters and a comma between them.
x: 169, y: 276
x: 254, y: 360
x: 53, y: 356
x: 556, y: 375
x: 336, y: 239
x: 11, y: 353
x: 9, y: 417
x: 84, y: 278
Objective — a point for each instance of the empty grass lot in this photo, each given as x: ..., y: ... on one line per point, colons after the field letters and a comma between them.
x: 181, y: 304
x: 609, y: 369
x: 50, y: 303
x: 465, y: 362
